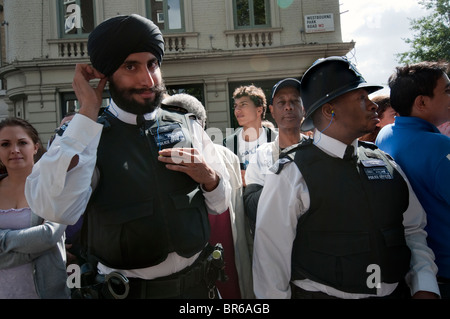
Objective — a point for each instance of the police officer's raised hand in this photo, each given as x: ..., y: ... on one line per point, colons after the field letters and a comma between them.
x: 189, y: 161
x: 89, y: 97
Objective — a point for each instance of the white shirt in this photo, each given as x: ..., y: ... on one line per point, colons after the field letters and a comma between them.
x: 285, y: 198
x: 62, y: 196
x: 266, y: 155
x: 247, y: 149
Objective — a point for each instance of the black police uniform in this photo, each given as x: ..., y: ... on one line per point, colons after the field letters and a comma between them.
x: 355, y: 219
x: 140, y: 211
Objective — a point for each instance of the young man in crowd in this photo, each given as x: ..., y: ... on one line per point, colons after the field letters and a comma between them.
x: 420, y: 93
x: 250, y: 110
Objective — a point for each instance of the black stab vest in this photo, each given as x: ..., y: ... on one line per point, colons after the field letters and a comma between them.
x: 140, y: 211
x: 355, y: 220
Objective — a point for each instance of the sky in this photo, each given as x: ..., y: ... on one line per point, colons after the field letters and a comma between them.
x: 378, y: 28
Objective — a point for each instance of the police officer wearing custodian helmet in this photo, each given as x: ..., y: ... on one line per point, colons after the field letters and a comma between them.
x: 145, y: 219
x: 348, y: 224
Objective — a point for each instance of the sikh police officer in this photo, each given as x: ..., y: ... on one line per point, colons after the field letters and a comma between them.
x: 146, y: 223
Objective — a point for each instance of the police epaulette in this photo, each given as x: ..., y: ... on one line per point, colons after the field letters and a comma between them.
x: 294, y: 148
x: 368, y: 144
x: 288, y: 155
x: 373, y: 146
x: 60, y: 131
x: 104, y: 121
x: 278, y: 166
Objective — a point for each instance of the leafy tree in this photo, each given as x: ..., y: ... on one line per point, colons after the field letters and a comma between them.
x: 431, y: 41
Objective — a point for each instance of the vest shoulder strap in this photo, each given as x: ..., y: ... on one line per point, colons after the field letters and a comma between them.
x: 288, y: 155
x: 268, y: 133
x: 230, y: 141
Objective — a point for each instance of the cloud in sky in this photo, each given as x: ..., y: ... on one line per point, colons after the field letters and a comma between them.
x: 378, y: 28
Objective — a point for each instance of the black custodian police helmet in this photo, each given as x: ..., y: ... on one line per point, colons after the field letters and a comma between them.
x: 327, y: 79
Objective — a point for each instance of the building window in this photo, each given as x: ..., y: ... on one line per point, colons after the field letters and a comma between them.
x: 160, y: 17
x: 168, y: 15
x: 69, y: 103
x: 191, y: 89
x: 76, y: 18
x: 251, y: 13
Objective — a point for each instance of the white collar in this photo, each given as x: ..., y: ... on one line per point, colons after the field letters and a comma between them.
x: 127, y: 117
x: 332, y: 146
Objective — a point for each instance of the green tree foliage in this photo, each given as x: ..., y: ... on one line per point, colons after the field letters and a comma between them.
x: 431, y: 41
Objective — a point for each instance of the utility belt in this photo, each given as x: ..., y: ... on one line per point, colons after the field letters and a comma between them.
x: 400, y: 292
x: 206, y: 270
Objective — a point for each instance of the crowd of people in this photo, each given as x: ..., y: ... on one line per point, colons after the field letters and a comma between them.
x: 344, y: 196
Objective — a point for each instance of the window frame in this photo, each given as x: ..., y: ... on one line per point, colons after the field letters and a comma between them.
x: 70, y: 97
x: 165, y: 14
x: 62, y: 12
x: 252, y: 16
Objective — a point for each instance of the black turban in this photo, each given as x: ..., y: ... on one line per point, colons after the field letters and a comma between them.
x: 114, y: 39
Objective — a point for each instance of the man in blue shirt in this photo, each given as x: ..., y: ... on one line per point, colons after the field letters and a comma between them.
x: 420, y: 93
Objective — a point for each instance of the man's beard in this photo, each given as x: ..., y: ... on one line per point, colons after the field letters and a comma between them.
x: 123, y: 98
